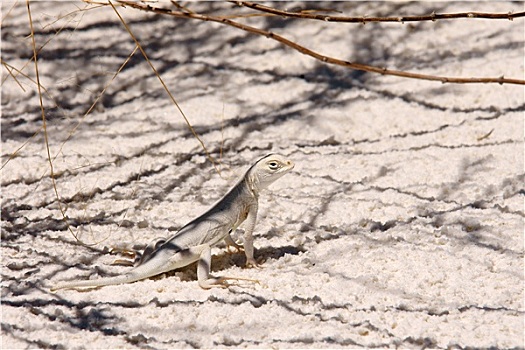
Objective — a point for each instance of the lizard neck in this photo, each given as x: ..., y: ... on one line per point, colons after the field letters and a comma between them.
x: 252, y: 185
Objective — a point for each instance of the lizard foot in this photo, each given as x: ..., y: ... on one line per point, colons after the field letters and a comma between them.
x: 253, y: 263
x: 233, y: 249
x: 126, y: 253
x: 231, y: 243
x: 123, y: 262
x: 221, y: 282
x: 123, y: 251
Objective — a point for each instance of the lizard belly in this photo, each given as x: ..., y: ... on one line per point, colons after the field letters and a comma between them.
x: 243, y: 214
x: 216, y: 231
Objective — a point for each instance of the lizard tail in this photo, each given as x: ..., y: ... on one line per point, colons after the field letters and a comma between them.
x: 127, y: 278
x: 148, y: 269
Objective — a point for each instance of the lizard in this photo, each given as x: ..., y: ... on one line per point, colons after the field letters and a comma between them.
x: 194, y: 240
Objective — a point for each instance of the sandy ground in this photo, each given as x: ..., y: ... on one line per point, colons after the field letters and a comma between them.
x: 401, y: 225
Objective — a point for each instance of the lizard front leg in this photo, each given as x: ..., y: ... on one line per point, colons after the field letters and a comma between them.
x: 248, y: 236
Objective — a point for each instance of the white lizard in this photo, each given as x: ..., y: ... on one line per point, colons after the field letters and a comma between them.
x: 193, y: 241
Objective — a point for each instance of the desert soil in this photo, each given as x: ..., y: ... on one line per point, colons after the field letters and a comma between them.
x: 401, y: 225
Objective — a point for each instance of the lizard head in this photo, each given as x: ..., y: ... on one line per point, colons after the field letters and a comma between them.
x: 268, y: 169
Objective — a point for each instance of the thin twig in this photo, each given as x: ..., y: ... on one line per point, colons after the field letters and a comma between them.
x: 11, y: 68
x: 364, y: 19
x: 44, y: 124
x: 128, y: 29
x: 72, y: 132
x: 58, y: 31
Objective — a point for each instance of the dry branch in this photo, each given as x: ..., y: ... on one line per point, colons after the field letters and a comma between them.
x: 364, y: 19
x: 304, y: 50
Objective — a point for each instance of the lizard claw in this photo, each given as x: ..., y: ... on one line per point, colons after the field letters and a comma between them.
x: 221, y: 282
x: 253, y: 263
x: 234, y: 248
x: 123, y: 262
x: 231, y: 243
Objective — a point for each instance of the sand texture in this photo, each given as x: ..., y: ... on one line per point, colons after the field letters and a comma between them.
x: 401, y: 225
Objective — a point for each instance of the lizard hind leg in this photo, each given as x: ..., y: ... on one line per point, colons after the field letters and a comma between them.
x: 206, y: 281
x: 148, y: 251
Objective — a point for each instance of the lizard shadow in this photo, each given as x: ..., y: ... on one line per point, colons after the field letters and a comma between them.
x: 221, y: 261
x: 225, y: 260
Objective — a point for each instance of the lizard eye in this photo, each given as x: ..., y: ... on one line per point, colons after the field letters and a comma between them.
x: 273, y: 165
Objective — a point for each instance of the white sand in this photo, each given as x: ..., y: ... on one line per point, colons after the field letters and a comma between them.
x: 401, y: 225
